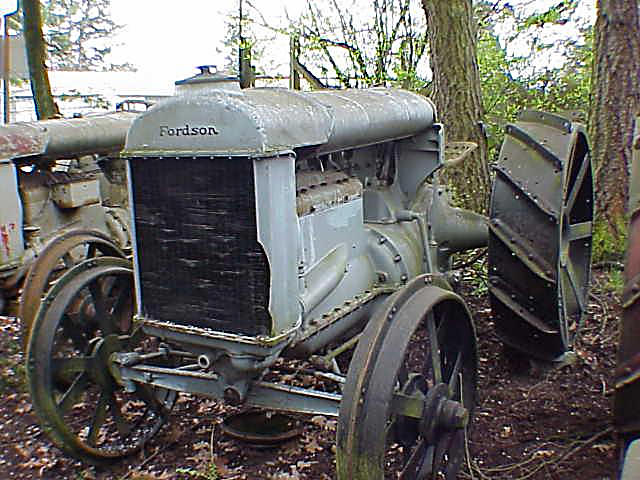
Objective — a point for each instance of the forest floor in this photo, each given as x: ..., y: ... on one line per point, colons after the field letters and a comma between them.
x: 531, y: 421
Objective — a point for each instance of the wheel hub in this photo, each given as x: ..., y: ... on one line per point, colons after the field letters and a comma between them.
x: 98, y: 369
x: 441, y: 413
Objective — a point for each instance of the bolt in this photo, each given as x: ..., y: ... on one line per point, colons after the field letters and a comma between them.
x: 454, y: 415
x: 232, y: 396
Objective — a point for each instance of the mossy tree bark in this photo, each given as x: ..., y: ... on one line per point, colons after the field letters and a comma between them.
x: 36, y: 58
x: 615, y: 103
x: 452, y: 40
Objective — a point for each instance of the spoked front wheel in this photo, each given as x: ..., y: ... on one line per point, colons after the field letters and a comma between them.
x: 83, y: 320
x: 410, y: 389
x: 62, y: 254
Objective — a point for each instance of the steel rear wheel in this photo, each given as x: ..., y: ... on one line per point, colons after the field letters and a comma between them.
x: 418, y: 351
x: 540, y: 235
x: 85, y: 318
x: 62, y: 254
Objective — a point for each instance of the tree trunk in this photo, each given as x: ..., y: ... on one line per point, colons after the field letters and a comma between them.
x: 615, y: 103
x: 452, y: 40
x: 36, y: 57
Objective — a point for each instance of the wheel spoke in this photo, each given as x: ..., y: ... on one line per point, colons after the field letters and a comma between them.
x: 148, y: 395
x: 124, y: 428
x: 63, y: 367
x: 578, y: 231
x: 74, y: 392
x: 91, y: 250
x: 417, y: 459
x: 573, y: 281
x: 575, y: 188
x: 123, y: 293
x: 456, y: 455
x: 68, y: 260
x: 100, y: 306
x: 99, y: 418
x: 435, y: 348
x: 454, y: 378
x: 442, y: 448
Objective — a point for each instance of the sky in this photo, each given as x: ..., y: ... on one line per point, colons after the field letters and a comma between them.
x: 167, y: 39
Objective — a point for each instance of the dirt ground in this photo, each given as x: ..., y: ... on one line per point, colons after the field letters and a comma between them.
x: 531, y: 422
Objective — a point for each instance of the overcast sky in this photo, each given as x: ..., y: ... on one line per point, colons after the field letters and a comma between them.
x: 167, y: 39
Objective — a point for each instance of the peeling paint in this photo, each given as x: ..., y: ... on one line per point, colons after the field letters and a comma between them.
x: 4, y: 238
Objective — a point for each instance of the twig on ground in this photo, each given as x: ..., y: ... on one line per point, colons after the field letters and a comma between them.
x: 609, y: 264
x: 507, y: 471
x: 146, y: 461
x: 467, y: 453
x: 471, y: 261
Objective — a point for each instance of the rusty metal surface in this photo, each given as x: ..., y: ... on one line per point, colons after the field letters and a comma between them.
x: 70, y: 361
x: 540, y: 235
x: 627, y: 375
x: 11, y: 218
x: 441, y: 374
x: 50, y: 139
x: 318, y: 190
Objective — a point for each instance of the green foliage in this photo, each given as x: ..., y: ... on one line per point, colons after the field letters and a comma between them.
x: 608, y: 247
x: 253, y: 42
x: 12, y: 370
x: 361, y: 44
x: 556, y: 14
x: 211, y: 473
x: 512, y: 83
x: 615, y: 281
x: 78, y: 33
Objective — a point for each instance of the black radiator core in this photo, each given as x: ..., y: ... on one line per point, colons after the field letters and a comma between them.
x: 199, y: 259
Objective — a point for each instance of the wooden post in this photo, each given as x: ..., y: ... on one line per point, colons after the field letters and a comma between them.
x: 6, y: 73
x: 294, y: 51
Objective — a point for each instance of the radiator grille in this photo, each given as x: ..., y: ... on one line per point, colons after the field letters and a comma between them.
x: 199, y: 260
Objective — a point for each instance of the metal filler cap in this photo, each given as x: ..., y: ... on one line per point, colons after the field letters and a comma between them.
x: 208, y: 78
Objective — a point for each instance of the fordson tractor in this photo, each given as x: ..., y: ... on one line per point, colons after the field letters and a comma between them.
x: 63, y: 197
x: 270, y: 224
